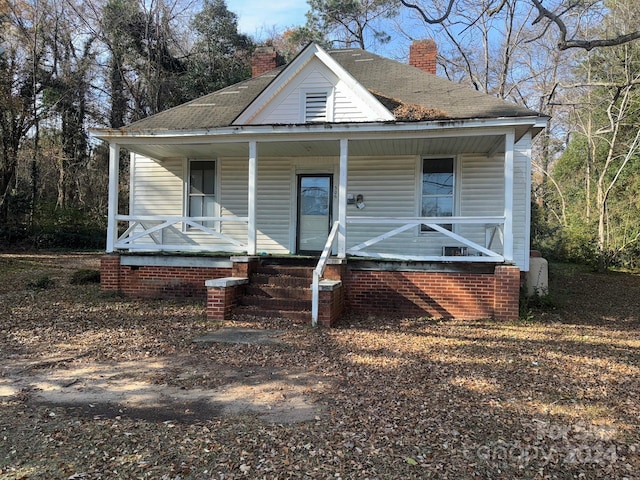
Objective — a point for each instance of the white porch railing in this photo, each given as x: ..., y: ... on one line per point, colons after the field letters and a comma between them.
x: 493, y: 228
x: 149, y: 232
x: 319, y: 271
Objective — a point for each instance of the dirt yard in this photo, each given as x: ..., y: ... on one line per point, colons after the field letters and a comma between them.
x: 94, y: 386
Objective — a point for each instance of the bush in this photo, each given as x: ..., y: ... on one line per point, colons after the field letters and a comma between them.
x: 68, y: 228
x: 85, y: 276
x: 41, y: 283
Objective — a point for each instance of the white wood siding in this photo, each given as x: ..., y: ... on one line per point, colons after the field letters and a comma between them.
x: 521, y: 201
x: 273, y: 215
x: 285, y: 107
x: 390, y: 188
x: 347, y: 108
x: 233, y: 199
x: 481, y: 194
x: 156, y: 187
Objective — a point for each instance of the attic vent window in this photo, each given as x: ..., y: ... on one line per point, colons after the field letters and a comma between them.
x: 315, y: 107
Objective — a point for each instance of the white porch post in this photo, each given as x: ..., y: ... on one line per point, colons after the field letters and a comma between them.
x: 508, y: 196
x: 114, y: 178
x: 253, y: 183
x: 342, y: 198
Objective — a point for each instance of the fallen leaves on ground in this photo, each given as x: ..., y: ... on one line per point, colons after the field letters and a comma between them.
x: 555, y: 396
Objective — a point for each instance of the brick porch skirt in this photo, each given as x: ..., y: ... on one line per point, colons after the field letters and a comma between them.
x: 435, y: 294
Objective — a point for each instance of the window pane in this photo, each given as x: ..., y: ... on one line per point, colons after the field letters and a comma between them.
x: 437, y: 177
x: 437, y: 207
x: 195, y: 206
x: 314, y: 196
x: 202, y: 178
x: 196, y: 182
x: 209, y: 181
x: 209, y: 207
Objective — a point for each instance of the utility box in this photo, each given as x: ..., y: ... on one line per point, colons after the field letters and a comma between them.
x: 537, y: 279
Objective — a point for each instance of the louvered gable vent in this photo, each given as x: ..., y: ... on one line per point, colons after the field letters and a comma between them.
x: 315, y: 107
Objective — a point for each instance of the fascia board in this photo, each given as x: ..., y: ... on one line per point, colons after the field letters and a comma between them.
x: 317, y: 131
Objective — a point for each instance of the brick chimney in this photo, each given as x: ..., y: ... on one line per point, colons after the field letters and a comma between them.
x: 422, y: 54
x: 263, y: 60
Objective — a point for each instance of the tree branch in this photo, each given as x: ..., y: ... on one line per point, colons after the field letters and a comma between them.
x: 565, y: 44
x: 430, y: 21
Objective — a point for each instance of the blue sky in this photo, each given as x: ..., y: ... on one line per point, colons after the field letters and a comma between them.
x: 255, y: 17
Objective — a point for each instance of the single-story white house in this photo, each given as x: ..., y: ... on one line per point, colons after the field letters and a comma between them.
x: 404, y: 192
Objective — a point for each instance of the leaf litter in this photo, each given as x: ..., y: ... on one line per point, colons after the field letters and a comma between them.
x: 551, y: 397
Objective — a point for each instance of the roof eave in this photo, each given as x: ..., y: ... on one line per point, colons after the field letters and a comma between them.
x: 326, y: 129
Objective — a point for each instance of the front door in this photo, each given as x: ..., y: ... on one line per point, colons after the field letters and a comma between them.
x: 314, y: 212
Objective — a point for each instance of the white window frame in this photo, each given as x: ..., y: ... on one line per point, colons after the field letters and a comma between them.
x: 456, y: 188
x: 187, y: 187
x: 328, y: 92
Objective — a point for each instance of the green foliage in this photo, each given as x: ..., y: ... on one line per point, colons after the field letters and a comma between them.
x: 146, y: 62
x: 67, y: 228
x: 529, y: 305
x: 349, y: 22
x: 574, y: 243
x: 221, y: 56
x: 85, y: 276
x: 43, y: 282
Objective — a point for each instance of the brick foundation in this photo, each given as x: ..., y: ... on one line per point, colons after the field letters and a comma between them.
x: 156, y: 281
x: 436, y: 294
x: 110, y: 273
x: 506, y: 292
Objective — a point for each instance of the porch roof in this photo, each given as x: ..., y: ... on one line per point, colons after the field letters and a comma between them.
x: 314, y: 140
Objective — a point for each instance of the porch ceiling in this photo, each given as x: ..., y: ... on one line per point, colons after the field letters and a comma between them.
x: 480, y: 144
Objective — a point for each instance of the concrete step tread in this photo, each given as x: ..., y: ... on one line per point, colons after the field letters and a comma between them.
x: 275, y: 303
x: 276, y: 291
x: 302, y: 316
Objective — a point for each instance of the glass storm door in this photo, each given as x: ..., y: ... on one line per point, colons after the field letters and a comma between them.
x: 314, y: 212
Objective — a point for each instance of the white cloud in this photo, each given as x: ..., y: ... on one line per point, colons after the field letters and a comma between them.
x: 257, y: 16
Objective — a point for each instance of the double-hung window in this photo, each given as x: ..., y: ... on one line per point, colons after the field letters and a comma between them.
x: 201, y: 191
x: 438, y: 183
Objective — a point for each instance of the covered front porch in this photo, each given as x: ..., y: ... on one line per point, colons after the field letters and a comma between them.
x: 377, y: 169
x: 376, y: 206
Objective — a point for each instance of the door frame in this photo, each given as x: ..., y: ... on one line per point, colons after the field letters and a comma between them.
x: 299, y: 177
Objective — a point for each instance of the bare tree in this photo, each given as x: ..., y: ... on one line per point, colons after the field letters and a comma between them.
x: 566, y: 17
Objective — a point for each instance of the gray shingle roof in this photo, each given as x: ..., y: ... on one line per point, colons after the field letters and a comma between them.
x: 390, y: 81
x: 411, y: 85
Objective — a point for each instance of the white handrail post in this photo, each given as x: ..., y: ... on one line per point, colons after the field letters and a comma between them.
x: 114, y: 180
x: 319, y: 271
x: 342, y: 198
x: 253, y: 184
x: 315, y: 298
x: 508, y: 196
